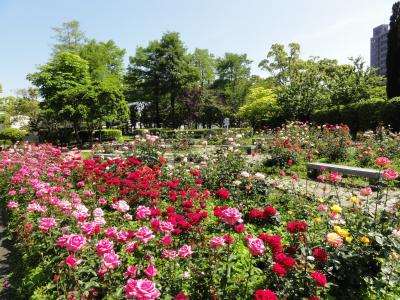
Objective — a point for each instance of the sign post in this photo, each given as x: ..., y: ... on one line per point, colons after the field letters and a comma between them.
x: 226, y: 123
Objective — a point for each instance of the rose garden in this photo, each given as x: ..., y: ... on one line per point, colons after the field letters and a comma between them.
x: 165, y: 171
x: 148, y: 222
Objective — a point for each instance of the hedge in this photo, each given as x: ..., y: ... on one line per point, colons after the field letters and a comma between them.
x: 190, y: 133
x: 13, y: 134
x: 362, y: 116
x: 108, y: 134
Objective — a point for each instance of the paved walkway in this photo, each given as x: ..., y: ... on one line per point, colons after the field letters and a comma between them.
x: 325, y: 190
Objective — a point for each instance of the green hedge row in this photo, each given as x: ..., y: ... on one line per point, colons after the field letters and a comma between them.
x: 65, y: 136
x: 191, y: 133
x: 364, y: 115
x: 103, y: 135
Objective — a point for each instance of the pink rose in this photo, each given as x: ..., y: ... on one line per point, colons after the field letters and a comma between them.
x: 322, y: 208
x: 390, y: 175
x: 366, y: 191
x: 382, y: 161
x: 102, y: 201
x: 121, y: 206
x: 151, y: 271
x: 231, y: 216
x: 185, y: 251
x: 104, y: 246
x: 142, y: 289
x: 216, y: 242
x: 166, y: 226
x: 90, y: 228
x: 142, y: 212
x: 168, y: 254
x: 255, y: 245
x: 75, y: 242
x: 12, y: 205
x: 131, y: 271
x: 72, y: 262
x: 131, y: 247
x: 111, y: 260
x: 45, y: 224
x: 110, y: 232
x: 334, y: 177
x: 334, y: 239
x: 144, y: 234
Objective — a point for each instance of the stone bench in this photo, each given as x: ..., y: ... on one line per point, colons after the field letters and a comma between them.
x: 373, y: 175
x: 106, y: 155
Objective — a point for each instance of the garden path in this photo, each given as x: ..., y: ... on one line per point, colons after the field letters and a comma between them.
x: 324, y: 190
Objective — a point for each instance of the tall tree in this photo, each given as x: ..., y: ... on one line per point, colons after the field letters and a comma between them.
x: 105, y: 59
x: 65, y: 85
x: 69, y: 36
x: 280, y: 64
x: 205, y: 64
x: 393, y: 54
x: 158, y: 72
x: 232, y: 84
x: 260, y: 106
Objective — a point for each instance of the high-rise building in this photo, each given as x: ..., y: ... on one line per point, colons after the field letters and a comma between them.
x: 379, y: 48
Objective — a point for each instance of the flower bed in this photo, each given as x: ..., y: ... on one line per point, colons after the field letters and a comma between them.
x: 115, y: 229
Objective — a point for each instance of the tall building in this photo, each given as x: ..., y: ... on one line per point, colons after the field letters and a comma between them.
x: 379, y: 48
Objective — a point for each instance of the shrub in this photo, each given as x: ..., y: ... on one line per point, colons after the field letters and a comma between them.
x: 13, y: 134
x: 364, y: 115
x: 108, y: 134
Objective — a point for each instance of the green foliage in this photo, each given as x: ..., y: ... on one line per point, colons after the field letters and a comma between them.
x: 13, y: 134
x: 191, y: 133
x: 304, y: 86
x: 393, y: 54
x: 105, y: 59
x: 108, y: 134
x: 260, y: 105
x: 69, y: 36
x: 233, y: 83
x: 205, y: 65
x: 364, y: 115
x: 158, y: 74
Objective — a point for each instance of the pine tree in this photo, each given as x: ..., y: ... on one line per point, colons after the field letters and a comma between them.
x: 393, y: 55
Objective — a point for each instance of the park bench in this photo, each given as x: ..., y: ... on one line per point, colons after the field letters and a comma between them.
x: 106, y: 155
x: 314, y: 168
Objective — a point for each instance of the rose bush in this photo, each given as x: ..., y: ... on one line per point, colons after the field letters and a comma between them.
x: 122, y: 228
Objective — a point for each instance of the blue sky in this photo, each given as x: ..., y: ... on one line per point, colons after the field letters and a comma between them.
x: 333, y: 29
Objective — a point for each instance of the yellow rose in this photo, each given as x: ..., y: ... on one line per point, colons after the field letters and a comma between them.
x: 354, y: 199
x: 348, y: 239
x: 343, y: 233
x: 364, y: 240
x: 336, y: 209
x: 336, y: 229
x: 317, y: 220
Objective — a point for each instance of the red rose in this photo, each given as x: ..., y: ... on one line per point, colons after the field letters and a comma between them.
x: 296, y: 227
x: 269, y: 211
x: 320, y: 255
x: 284, y: 260
x: 265, y: 295
x: 239, y: 228
x: 279, y: 270
x: 320, y: 279
x: 223, y: 193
